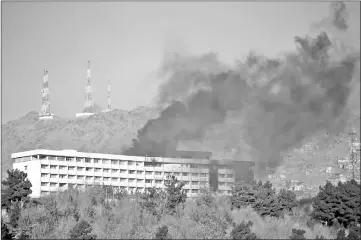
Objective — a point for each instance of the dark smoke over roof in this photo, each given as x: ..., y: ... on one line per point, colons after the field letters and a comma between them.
x: 282, y: 102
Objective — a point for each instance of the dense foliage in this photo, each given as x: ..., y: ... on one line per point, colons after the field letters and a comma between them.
x: 338, y: 204
x: 253, y: 211
x: 263, y: 198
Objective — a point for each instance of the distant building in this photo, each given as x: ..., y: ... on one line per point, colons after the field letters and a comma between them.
x: 51, y: 171
x: 296, y: 186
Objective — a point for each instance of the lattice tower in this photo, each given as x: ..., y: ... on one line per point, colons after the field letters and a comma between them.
x: 45, y: 98
x: 88, y: 105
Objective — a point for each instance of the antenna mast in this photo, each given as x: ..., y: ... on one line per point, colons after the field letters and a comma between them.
x: 88, y: 105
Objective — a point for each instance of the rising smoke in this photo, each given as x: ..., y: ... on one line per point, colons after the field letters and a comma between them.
x: 283, y: 102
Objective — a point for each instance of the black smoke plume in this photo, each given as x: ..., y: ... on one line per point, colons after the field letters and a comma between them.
x: 282, y: 102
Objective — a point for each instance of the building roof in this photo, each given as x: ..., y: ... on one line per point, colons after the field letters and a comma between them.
x: 74, y: 153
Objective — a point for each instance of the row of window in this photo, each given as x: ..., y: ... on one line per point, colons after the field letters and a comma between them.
x: 122, y: 180
x: 130, y: 189
x: 122, y: 171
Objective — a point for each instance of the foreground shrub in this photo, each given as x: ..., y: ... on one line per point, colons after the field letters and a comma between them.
x: 162, y: 233
x: 243, y: 231
x: 82, y: 230
x: 298, y: 234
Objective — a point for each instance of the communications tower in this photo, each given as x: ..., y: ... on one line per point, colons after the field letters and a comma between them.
x: 45, y: 112
x: 88, y: 104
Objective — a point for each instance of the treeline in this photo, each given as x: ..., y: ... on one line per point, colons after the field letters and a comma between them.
x: 253, y: 211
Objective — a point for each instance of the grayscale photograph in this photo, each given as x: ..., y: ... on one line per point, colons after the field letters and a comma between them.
x: 180, y: 120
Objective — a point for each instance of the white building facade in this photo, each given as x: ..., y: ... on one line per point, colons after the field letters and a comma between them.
x: 52, y: 171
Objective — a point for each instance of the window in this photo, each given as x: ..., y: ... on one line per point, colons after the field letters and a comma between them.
x: 51, y: 158
x: 131, y: 163
x: 106, y: 170
x: 114, y: 162
x: 60, y: 158
x: 44, y: 175
x: 222, y: 175
x: 53, y: 184
x: 62, y: 167
x: 122, y: 162
x: 203, y: 174
x: 79, y: 160
x: 186, y: 182
x: 167, y: 173
x: 89, y: 178
x: 62, y: 184
x: 148, y: 181
x: 194, y: 174
x: 140, y: 180
x: 96, y: 160
x: 62, y: 176
x: 97, y: 169
x: 71, y: 168
x: 123, y: 171
x: 131, y: 171
x: 80, y: 169
x: 114, y: 170
x: 43, y: 166
x: 221, y: 184
x: 43, y: 184
x: 185, y: 174
x: 123, y: 180
x: 158, y: 173
x: 53, y: 176
x: 106, y: 161
x: 44, y: 192
x: 53, y: 167
x: 106, y: 178
x: 131, y: 180
x: 148, y: 173
x: 69, y: 159
x: 194, y: 182
x: 177, y: 174
x: 97, y: 178
x: 158, y: 181
x: 80, y: 177
x: 88, y: 169
x: 229, y: 175
x: 71, y: 177
x: 203, y: 183
x: 114, y: 179
x: 194, y: 190
x: 140, y: 172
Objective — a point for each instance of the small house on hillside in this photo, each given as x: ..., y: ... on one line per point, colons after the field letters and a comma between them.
x: 296, y: 186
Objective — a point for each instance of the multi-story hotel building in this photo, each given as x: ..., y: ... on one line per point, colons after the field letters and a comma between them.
x: 51, y: 171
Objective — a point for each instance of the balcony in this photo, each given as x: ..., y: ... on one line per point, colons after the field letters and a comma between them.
x: 71, y: 172
x: 159, y: 177
x: 45, y: 179
x: 54, y: 171
x: 149, y: 169
x: 107, y: 174
x: 158, y: 169
x: 72, y: 180
x: 63, y: 171
x: 132, y: 167
x: 132, y: 175
x: 132, y: 184
x: 63, y: 180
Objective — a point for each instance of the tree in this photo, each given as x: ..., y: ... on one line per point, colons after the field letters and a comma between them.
x: 243, y: 231
x: 175, y: 193
x: 5, y: 233
x: 341, y: 202
x: 82, y: 230
x: 162, y: 233
x: 16, y: 188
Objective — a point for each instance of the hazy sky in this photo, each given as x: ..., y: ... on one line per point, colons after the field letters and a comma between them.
x: 125, y: 43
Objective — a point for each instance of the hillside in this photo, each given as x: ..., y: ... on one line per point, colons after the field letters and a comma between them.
x: 106, y: 132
